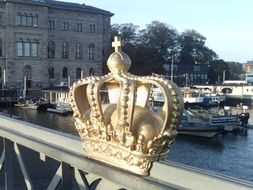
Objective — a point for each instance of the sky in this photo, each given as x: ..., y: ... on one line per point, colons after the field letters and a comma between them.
x: 226, y: 24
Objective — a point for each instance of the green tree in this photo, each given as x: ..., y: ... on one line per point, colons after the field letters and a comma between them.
x: 236, y: 70
x: 193, y: 49
x: 216, y: 71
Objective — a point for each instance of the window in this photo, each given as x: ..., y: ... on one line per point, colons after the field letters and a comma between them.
x: 92, y: 71
x: 104, y: 30
x: 1, y: 19
x: 51, y: 72
x: 35, y: 20
x: 92, y: 28
x: 51, y: 25
x: 65, y: 50
x: 24, y: 19
x: 19, y: 47
x: 65, y: 72
x: 65, y: 26
x: 78, y: 51
x: 91, y: 52
x: 27, y: 19
x: 28, y: 72
x: 51, y: 50
x: 27, y: 48
x: 1, y: 48
x: 0, y: 72
x: 78, y: 73
x: 34, y: 49
x: 18, y: 19
x: 196, y: 68
x: 79, y: 27
x: 30, y: 20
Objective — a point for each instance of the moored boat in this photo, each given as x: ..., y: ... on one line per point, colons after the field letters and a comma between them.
x: 200, y: 131
x: 59, y: 110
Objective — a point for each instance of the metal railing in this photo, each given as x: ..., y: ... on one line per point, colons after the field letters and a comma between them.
x: 59, y: 158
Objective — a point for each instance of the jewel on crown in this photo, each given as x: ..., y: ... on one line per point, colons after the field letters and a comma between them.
x: 124, y: 132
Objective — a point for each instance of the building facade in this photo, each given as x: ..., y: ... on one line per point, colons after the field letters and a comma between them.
x: 45, y: 42
x: 185, y: 75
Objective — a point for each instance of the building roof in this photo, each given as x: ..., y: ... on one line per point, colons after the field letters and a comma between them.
x: 66, y: 6
x: 76, y: 7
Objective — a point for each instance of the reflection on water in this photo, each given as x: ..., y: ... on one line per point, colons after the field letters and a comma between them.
x: 45, y: 119
x: 230, y: 155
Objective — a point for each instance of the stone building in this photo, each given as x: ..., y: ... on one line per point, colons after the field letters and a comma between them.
x: 45, y: 42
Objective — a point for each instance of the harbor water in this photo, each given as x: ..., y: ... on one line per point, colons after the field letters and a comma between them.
x: 229, y: 155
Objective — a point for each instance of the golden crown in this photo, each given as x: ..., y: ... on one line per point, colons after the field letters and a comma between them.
x: 124, y: 132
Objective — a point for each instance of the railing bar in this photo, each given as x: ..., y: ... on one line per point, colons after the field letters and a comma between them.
x: 23, y: 167
x: 67, y: 174
x: 2, y: 159
x: 56, y: 179
x: 81, y: 180
x: 8, y: 164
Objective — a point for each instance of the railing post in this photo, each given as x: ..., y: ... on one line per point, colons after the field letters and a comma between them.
x: 8, y: 164
x: 67, y: 175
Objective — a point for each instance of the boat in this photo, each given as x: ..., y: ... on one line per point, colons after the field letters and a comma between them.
x: 192, y: 96
x: 222, y: 119
x: 200, y: 131
x: 59, y: 110
x: 157, y: 95
x: 214, y: 99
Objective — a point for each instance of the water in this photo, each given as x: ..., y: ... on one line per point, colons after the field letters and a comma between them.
x: 229, y: 155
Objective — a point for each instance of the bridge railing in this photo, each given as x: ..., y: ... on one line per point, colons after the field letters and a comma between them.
x: 34, y: 148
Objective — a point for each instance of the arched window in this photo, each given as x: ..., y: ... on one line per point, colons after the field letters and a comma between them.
x: 65, y: 50
x: 78, y: 51
x: 24, y: 19
x: 91, y: 72
x: 30, y: 20
x: 35, y: 20
x: 78, y: 73
x: 92, y: 28
x: 34, y: 48
x: 18, y: 19
x: 51, y: 72
x: 91, y: 52
x: 65, y: 73
x: 65, y: 26
x: 27, y: 48
x: 1, y: 48
x: 51, y: 50
x: 19, y: 47
x: 28, y: 72
x: 51, y: 25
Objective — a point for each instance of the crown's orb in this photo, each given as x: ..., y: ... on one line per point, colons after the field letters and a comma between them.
x: 118, y: 62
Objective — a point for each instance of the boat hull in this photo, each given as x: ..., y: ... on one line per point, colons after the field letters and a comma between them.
x: 208, y: 132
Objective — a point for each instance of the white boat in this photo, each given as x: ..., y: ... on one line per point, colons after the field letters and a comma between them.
x: 157, y: 95
x: 192, y: 96
x: 59, y: 110
x: 212, y: 99
x: 230, y: 122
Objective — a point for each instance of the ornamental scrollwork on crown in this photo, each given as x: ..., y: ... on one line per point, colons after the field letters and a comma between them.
x: 124, y: 132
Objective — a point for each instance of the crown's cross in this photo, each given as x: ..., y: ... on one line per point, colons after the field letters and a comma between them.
x: 117, y: 44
